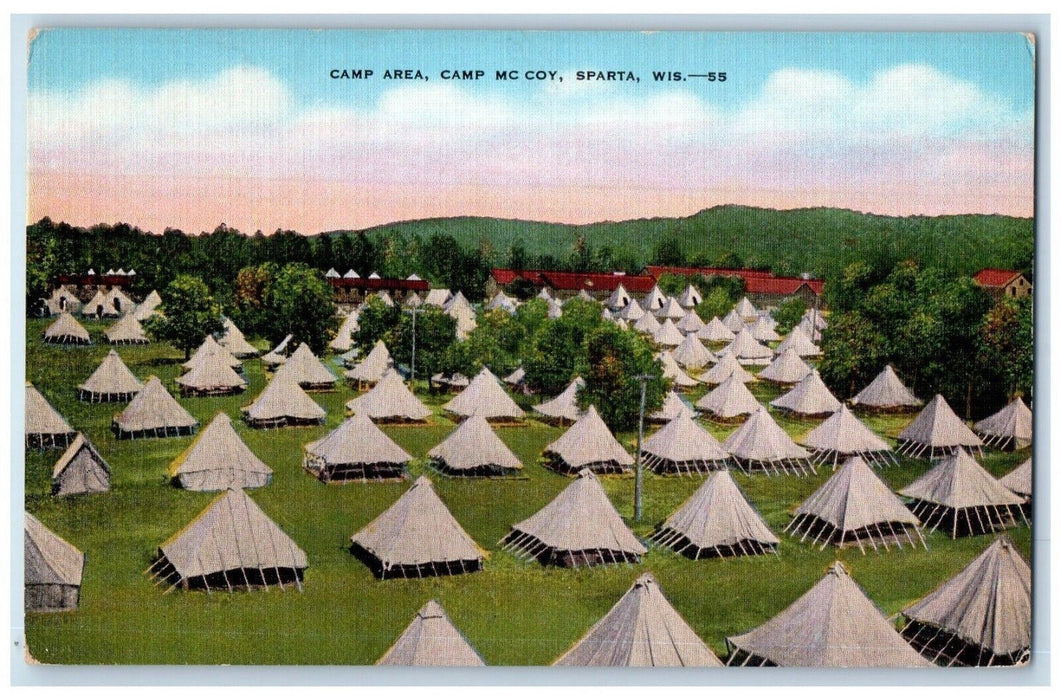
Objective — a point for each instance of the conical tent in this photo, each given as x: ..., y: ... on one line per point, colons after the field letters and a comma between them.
x: 961, y: 497
x: 556, y: 310
x: 53, y: 569
x: 112, y: 381
x: 501, y: 301
x: 715, y: 331
x: 80, y: 470
x: 282, y: 403
x: 673, y: 372
x: 1009, y: 429
x: 306, y: 370
x: 855, y: 508
x: 278, y: 355
x: 691, y: 353
x: 746, y: 309
x: 102, y: 305
x: 670, y: 310
x: 153, y: 413
x: 668, y: 335
x: 717, y: 521
x: 332, y: 272
x: 356, y: 451
x: 473, y: 449
x: 580, y: 527
x: 619, y: 299
x: 126, y: 331
x: 690, y: 322
x: 843, y: 435
x: 815, y: 318
x: 673, y: 406
x: 588, y: 444
x: 234, y: 341
x: 798, y: 342
x: 437, y: 297
x: 564, y: 406
x: 385, y: 297
x: 516, y: 377
x: 66, y: 331
x: 654, y: 300
x: 218, y: 460
x: 761, y: 445
x: 886, y: 393
x: 747, y: 349
x: 343, y: 340
x: 45, y: 428
x: 834, y: 624
x: 787, y: 368
x: 981, y: 617
x: 632, y: 311
x: 641, y: 630
x: 231, y: 545
x: 417, y: 537
x: 62, y: 299
x: 1019, y: 481
x: 413, y: 301
x: 210, y: 347
x: 211, y: 376
x: 390, y: 401
x: 762, y: 331
x: 431, y: 640
x: 809, y: 398
x: 485, y: 397
x: 682, y: 447
x: 647, y: 324
x: 935, y: 432
x: 726, y: 366
x: 370, y: 370
x: 690, y: 297
x: 730, y: 401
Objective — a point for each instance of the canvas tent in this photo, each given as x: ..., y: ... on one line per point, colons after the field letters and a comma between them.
x: 66, y: 331
x: 278, y: 355
x: 282, y: 403
x: 718, y: 520
x: 673, y: 406
x: 208, y: 348
x: 218, y: 460
x: 580, y: 527
x: 647, y: 324
x: 727, y: 365
x: 668, y: 335
x: 843, y: 435
x: 370, y: 370
x: 431, y: 639
x: 834, y: 624
x: 690, y: 297
x: 762, y: 331
x: 126, y: 331
x: 682, y: 447
x: 45, y: 428
x: 855, y: 508
x: 691, y: 353
x: 80, y: 470
x: 729, y: 402
x: 886, y: 393
x: 785, y: 369
x: 501, y: 301
x: 761, y: 445
x: 588, y: 444
x: 981, y: 617
x: 415, y: 537
x: 747, y: 349
x: 437, y: 297
x: 153, y: 413
x: 690, y: 323
x: 211, y: 376
x: 673, y: 372
x: 641, y: 630
x: 112, y: 381
x: 746, y: 309
x: 53, y: 569
x: 355, y: 451
x: 619, y: 299
x: 390, y: 401
x: 671, y: 310
x: 485, y: 397
x: 343, y: 340
x: 516, y: 377
x: 306, y: 370
x: 231, y: 545
x: 233, y: 340
x: 631, y: 312
x: 104, y: 305
x: 473, y: 449
x: 715, y: 331
x: 962, y: 498
x: 1009, y: 429
x: 1019, y: 481
x: 62, y: 299
x: 810, y: 398
x: 798, y: 342
x: 654, y: 300
x: 936, y: 431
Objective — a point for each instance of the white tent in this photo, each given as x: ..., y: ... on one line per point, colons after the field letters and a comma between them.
x: 45, y: 427
x: 356, y: 451
x: 588, y: 444
x: 371, y: 369
x: 218, y: 460
x: 886, y: 393
x: 306, y: 370
x: 112, y: 381
x: 726, y: 366
x: 80, y: 470
x: 486, y: 397
x: 682, y: 447
x: 810, y: 398
x: 1009, y: 429
x: 431, y: 640
x: 563, y: 407
x: 153, y: 412
x: 730, y: 401
x: 473, y: 449
x: 66, y: 331
x: 787, y: 368
x: 843, y: 435
x: 691, y: 353
x: 715, y: 331
x: 390, y: 401
x: 761, y: 445
x: 936, y: 431
x: 282, y: 403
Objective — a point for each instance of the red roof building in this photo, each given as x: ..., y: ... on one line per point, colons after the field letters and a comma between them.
x: 1008, y: 283
x: 657, y: 271
x: 570, y: 283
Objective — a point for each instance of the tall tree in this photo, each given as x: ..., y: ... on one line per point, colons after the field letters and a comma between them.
x: 189, y: 314
x: 611, y: 362
x: 300, y: 303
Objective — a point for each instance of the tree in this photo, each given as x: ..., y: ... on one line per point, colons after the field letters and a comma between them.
x: 251, y: 297
x: 375, y: 321
x: 668, y: 250
x: 717, y: 302
x: 189, y: 314
x: 788, y: 314
x: 436, y: 334
x: 611, y: 360
x: 300, y: 303
x: 496, y: 342
x: 852, y: 353
x: 1008, y: 344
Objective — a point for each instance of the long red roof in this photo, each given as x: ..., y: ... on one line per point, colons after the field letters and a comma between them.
x: 993, y: 277
x: 658, y: 270
x: 575, y: 281
x: 781, y: 285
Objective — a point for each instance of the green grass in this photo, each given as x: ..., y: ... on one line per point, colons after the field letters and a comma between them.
x: 513, y: 612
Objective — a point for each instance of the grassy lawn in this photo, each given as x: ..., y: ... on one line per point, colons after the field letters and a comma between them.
x: 512, y: 612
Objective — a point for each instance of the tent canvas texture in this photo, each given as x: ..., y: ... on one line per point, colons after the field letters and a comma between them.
x: 283, y: 403
x: 343, y: 340
x: 727, y: 365
x: 691, y: 353
x: 218, y: 460
x: 843, y: 435
x: 886, y: 393
x: 564, y: 406
x: 799, y: 343
x: 45, y: 427
x: 390, y: 401
x: 673, y: 372
x: 65, y: 330
x: 715, y: 331
x: 233, y: 340
x: 306, y: 370
x: 960, y: 497
x: 80, y: 470
x: 682, y: 447
x: 431, y: 639
x: 148, y: 307
x: 486, y: 397
x: 208, y: 348
x: 153, y: 413
x: 370, y: 370
x: 1019, y: 481
x: 416, y: 537
x: 588, y: 444
x: 126, y: 331
x: 231, y: 545
x: 62, y: 299
x: 855, y: 508
x: 112, y: 381
x: 980, y: 617
x: 211, y: 376
x: 747, y: 349
x: 787, y: 368
x: 1009, y: 429
x: 809, y: 398
x: 718, y: 520
x: 641, y: 630
x: 53, y: 569
x: 473, y: 449
x: 935, y: 432
x: 833, y: 625
x: 579, y: 527
x: 761, y: 445
x: 357, y: 450
x: 673, y: 406
x: 278, y: 355
x: 729, y: 402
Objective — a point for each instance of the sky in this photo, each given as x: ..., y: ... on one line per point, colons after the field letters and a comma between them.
x: 192, y: 128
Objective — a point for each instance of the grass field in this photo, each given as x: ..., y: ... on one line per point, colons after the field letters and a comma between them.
x: 513, y: 612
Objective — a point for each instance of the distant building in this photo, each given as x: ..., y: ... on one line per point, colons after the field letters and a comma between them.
x: 762, y: 287
x: 354, y: 290
x: 562, y: 285
x: 999, y: 283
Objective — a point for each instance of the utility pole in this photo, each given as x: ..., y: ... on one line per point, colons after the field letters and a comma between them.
x: 638, y: 486
x: 412, y: 364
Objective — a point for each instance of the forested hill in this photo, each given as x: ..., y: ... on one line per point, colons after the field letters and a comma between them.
x: 821, y: 240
